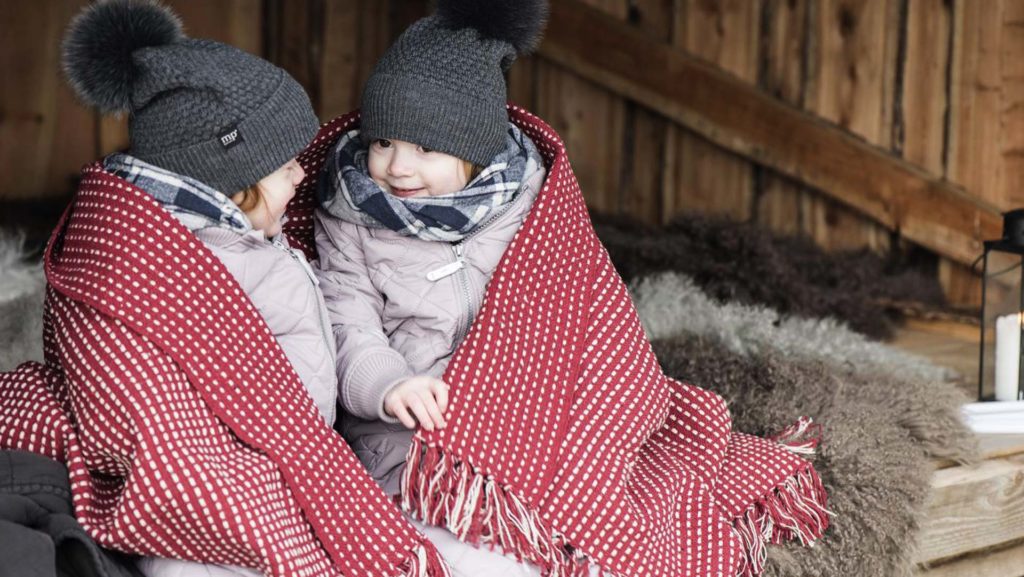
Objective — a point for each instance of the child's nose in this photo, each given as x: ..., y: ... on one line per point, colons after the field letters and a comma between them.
x: 399, y: 165
x: 300, y: 174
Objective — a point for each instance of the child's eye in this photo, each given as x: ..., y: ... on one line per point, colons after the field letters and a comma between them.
x: 425, y: 149
x: 382, y: 142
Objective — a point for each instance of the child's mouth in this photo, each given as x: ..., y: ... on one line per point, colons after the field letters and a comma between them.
x: 405, y: 192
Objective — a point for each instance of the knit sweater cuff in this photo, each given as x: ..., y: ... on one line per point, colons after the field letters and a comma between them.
x: 369, y: 380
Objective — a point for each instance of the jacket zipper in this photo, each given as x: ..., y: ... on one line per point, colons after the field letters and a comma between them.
x: 304, y: 264
x: 458, y: 266
x: 463, y: 280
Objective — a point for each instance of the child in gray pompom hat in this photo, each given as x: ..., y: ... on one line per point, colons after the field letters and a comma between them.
x: 215, y: 133
x: 417, y: 207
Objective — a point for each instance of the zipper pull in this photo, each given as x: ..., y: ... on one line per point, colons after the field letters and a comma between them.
x: 450, y: 268
x: 447, y: 270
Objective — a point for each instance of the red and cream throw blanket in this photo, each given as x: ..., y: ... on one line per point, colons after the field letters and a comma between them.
x: 188, y: 434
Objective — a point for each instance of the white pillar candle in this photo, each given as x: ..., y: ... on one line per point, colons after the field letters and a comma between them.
x: 1007, y: 356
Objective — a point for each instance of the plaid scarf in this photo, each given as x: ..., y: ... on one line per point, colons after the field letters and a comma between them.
x: 193, y: 203
x: 566, y: 445
x: 448, y: 218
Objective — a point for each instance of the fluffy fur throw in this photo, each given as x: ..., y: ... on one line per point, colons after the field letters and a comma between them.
x: 745, y: 263
x: 21, y: 304
x: 567, y: 445
x: 880, y: 432
x: 888, y: 414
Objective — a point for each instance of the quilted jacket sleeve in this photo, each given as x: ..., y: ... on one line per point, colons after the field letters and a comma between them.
x: 367, y: 365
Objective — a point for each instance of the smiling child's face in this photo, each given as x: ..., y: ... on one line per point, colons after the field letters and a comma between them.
x: 407, y: 171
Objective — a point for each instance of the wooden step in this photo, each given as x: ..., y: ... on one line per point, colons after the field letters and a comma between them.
x: 975, y: 521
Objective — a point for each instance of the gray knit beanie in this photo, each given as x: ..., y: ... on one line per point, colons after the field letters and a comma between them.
x: 197, y: 107
x: 442, y: 83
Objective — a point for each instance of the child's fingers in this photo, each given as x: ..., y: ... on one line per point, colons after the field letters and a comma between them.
x: 402, y: 414
x: 440, y: 390
x: 419, y: 410
x: 432, y: 408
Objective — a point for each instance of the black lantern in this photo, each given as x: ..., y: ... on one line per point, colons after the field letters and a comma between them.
x: 1002, y: 311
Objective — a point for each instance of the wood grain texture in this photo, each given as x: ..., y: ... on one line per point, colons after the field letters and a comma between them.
x: 960, y: 284
x: 924, y: 99
x: 852, y: 78
x: 645, y: 160
x: 522, y: 82
x: 705, y: 178
x: 294, y: 37
x: 235, y: 22
x: 973, y: 508
x: 787, y: 41
x: 45, y: 136
x: 355, y: 35
x: 836, y: 227
x: 644, y: 167
x: 736, y: 116
x: 701, y: 176
x: 1003, y: 562
x: 590, y: 120
x: 851, y: 81
x: 975, y: 138
x: 1012, y: 109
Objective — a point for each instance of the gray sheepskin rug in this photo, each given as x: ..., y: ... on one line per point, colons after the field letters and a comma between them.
x: 879, y: 437
x: 21, y: 304
x: 885, y: 415
x: 747, y: 263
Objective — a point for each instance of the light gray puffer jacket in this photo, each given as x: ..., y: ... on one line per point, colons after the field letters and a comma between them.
x: 400, y: 306
x: 283, y: 287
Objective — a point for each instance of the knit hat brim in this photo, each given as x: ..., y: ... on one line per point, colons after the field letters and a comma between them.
x: 265, y: 140
x: 402, y: 107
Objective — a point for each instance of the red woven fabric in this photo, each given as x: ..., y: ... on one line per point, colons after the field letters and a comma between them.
x: 566, y: 444
x: 193, y: 437
x: 188, y: 434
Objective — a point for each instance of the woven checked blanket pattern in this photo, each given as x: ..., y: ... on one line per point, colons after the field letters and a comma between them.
x: 189, y: 435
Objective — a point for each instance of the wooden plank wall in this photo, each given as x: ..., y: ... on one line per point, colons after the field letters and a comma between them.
x: 925, y: 80
x: 46, y: 135
x: 939, y: 83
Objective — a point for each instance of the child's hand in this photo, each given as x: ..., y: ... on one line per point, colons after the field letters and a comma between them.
x: 423, y: 399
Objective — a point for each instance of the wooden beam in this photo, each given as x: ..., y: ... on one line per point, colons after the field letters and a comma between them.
x: 973, y: 509
x: 739, y: 117
x: 1005, y: 562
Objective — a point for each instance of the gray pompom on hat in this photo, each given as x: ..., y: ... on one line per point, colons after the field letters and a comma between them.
x: 196, y: 107
x: 442, y: 83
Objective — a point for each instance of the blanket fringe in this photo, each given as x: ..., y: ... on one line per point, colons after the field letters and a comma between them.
x: 443, y: 491
x: 794, y: 510
x: 802, y: 437
x: 427, y: 562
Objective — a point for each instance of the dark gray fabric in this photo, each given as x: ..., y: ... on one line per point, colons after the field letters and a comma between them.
x: 380, y: 446
x: 440, y: 88
x: 197, y: 107
x: 39, y: 535
x: 442, y: 83
x: 195, y: 93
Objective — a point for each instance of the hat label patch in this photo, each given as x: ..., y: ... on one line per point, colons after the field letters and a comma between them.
x: 230, y: 138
